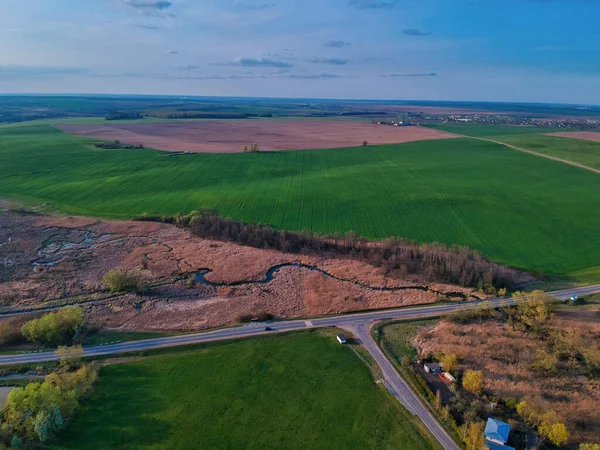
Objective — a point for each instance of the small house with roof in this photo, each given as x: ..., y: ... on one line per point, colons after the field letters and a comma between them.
x: 496, y: 435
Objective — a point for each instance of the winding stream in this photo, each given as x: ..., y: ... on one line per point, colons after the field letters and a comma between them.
x: 270, y: 275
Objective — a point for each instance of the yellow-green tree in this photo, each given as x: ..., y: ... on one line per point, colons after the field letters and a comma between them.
x: 473, y: 436
x: 553, y: 430
x: 473, y: 381
x: 38, y: 411
x: 589, y: 447
x: 532, y: 311
x: 449, y: 362
x: 54, y: 328
x: 118, y: 280
x: 70, y: 357
x: 545, y: 362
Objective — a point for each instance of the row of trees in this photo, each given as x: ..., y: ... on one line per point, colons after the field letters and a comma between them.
x: 253, y: 148
x: 546, y: 422
x: 37, y: 412
x: 399, y: 258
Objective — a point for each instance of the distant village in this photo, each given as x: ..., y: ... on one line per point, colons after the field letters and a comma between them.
x: 580, y: 123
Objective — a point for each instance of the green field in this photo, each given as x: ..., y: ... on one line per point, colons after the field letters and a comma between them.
x: 534, y: 139
x: 294, y: 392
x: 516, y: 208
x: 576, y: 150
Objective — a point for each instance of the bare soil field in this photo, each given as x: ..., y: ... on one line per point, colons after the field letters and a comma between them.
x: 48, y: 261
x: 229, y: 136
x: 585, y: 135
x: 507, y: 359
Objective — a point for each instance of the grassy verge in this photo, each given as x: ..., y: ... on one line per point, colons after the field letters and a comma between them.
x: 395, y: 339
x: 301, y: 390
x: 104, y: 337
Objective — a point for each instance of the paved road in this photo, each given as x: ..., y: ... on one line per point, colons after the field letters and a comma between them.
x: 258, y: 329
x: 359, y: 324
x: 399, y: 388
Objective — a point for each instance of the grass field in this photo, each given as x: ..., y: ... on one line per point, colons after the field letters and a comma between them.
x: 577, y: 150
x: 397, y: 337
x: 294, y: 392
x: 534, y: 139
x: 516, y: 208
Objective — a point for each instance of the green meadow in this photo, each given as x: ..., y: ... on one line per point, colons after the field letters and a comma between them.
x: 516, y: 208
x: 294, y: 392
x: 534, y: 139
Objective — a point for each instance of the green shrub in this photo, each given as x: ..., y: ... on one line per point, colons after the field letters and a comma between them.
x: 117, y: 280
x: 263, y: 316
x: 54, y: 328
x: 244, y: 318
x: 190, y: 282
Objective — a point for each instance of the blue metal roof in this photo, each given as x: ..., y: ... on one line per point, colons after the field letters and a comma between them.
x: 493, y: 446
x: 497, y: 430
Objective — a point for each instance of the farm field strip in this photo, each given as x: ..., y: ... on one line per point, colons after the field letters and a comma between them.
x: 516, y: 208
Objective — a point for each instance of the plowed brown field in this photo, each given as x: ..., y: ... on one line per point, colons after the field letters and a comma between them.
x: 229, y: 136
x: 585, y: 135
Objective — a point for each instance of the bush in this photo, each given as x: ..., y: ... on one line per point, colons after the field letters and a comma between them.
x: 263, y: 316
x: 190, y: 282
x: 511, y: 402
x: 545, y: 362
x: 244, y: 318
x: 589, y: 447
x: 10, y: 331
x: 54, y: 328
x: 485, y: 310
x: 117, y: 280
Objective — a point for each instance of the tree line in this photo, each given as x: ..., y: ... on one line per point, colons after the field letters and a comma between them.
x: 397, y: 257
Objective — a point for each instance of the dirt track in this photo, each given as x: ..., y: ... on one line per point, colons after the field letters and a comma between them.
x: 229, y: 136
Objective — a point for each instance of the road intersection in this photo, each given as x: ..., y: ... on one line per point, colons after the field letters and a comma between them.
x: 359, y: 324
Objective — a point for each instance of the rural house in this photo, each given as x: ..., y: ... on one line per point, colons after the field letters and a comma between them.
x: 496, y: 435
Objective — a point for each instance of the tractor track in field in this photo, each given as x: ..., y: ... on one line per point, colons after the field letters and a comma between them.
x: 531, y: 152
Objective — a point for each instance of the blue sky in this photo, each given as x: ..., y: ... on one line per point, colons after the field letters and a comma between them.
x: 483, y: 50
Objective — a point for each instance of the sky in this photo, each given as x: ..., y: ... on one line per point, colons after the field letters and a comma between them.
x: 471, y: 50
